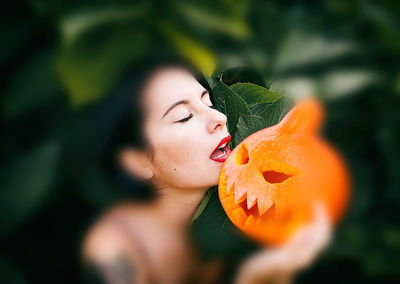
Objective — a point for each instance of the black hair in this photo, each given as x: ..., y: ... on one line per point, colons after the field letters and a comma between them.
x: 118, y: 121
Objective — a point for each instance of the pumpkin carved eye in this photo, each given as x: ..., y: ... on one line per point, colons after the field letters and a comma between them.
x: 275, y: 177
x: 242, y: 155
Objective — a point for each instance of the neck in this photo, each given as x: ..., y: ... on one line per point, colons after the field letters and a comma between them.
x: 177, y: 206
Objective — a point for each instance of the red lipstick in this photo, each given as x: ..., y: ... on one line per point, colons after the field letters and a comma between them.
x: 220, y: 154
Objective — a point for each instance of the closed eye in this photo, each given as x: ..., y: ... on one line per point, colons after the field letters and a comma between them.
x: 185, y: 119
x: 213, y: 107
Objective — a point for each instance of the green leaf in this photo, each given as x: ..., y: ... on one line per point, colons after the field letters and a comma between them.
x: 231, y: 104
x: 247, y: 125
x: 215, y: 234
x: 274, y: 113
x: 25, y: 183
x: 215, y: 77
x: 204, y: 203
x: 254, y: 94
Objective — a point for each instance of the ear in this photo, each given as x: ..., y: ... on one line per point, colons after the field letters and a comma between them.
x: 136, y: 163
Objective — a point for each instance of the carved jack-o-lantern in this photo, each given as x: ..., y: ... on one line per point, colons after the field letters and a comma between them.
x: 271, y: 181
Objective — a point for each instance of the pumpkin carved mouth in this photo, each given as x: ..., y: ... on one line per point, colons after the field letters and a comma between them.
x: 248, y: 201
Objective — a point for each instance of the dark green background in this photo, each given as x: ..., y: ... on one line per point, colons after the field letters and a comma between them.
x: 60, y: 58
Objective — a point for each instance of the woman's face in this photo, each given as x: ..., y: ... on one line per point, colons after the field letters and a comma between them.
x: 184, y: 130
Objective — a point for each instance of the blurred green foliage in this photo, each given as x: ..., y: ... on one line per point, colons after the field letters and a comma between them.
x: 59, y: 58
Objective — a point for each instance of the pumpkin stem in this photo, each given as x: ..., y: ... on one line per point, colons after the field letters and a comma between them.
x: 305, y: 117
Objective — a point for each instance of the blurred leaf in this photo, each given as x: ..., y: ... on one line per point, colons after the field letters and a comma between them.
x: 91, y: 67
x: 386, y: 23
x: 192, y: 50
x: 362, y: 191
x: 9, y: 273
x: 34, y: 85
x: 208, y: 18
x: 74, y: 25
x: 96, y: 189
x: 14, y: 35
x: 392, y: 237
x: 301, y: 49
x: 297, y: 88
x: 340, y: 83
x: 242, y: 75
x: 25, y: 183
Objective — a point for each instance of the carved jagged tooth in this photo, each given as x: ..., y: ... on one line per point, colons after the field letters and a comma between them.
x: 240, y: 194
x: 264, y: 205
x: 240, y: 198
x: 251, y: 200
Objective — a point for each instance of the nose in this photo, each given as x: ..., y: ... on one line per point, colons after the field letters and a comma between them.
x: 217, y: 120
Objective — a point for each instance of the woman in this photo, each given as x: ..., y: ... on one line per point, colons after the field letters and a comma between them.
x: 172, y: 144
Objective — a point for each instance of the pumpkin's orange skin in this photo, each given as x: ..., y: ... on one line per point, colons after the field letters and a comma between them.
x: 272, y: 180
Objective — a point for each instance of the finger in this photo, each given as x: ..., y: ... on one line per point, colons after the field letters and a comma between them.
x: 321, y: 214
x: 306, y: 245
x: 319, y: 225
x: 322, y: 225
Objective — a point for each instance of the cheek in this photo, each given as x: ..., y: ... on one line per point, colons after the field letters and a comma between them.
x: 182, y: 159
x: 179, y: 150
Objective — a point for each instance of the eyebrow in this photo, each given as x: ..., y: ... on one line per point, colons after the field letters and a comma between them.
x: 182, y: 102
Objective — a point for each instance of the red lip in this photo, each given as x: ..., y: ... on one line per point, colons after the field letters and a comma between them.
x: 226, y: 139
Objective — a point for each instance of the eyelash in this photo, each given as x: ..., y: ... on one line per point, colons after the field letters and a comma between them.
x: 185, y: 119
x: 190, y: 116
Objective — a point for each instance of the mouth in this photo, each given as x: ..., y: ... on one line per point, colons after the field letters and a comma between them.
x: 222, y: 151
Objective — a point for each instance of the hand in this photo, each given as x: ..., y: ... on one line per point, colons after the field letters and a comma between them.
x: 279, y: 265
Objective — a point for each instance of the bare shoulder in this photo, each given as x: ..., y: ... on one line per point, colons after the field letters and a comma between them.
x: 109, y: 253
x: 105, y: 237
x: 102, y: 240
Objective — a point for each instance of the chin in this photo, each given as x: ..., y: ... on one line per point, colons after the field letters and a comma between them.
x: 216, y: 179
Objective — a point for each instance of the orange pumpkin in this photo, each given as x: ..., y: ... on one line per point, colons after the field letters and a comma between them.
x: 269, y: 184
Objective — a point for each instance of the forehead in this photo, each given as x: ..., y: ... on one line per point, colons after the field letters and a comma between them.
x: 167, y: 86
